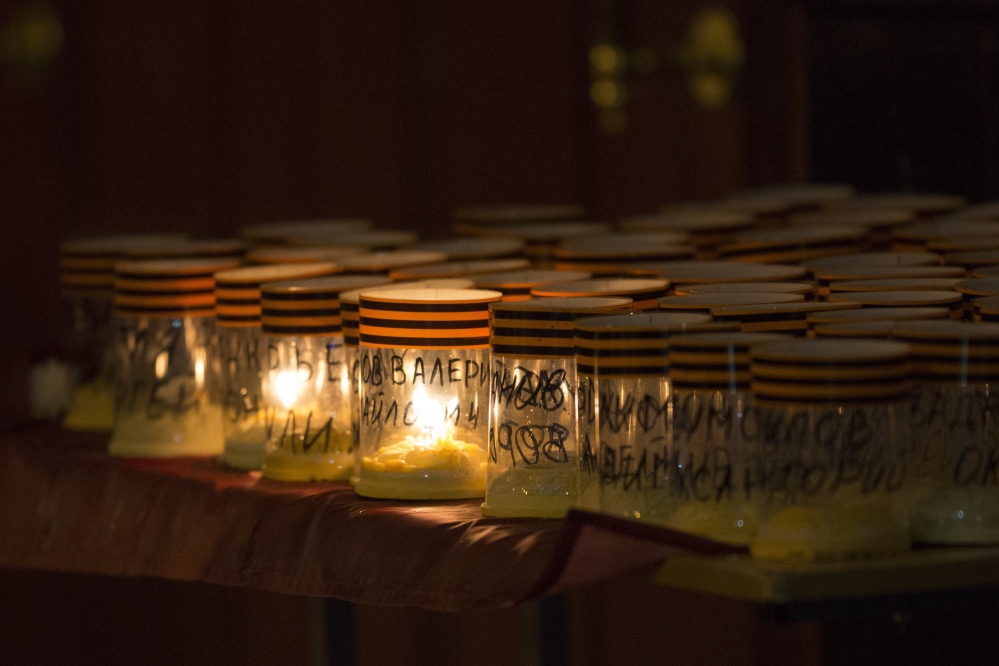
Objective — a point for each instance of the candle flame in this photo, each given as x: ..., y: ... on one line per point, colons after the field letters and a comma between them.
x: 433, y: 419
x: 286, y: 388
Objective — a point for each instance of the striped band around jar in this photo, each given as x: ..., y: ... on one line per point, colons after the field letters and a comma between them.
x: 543, y: 327
x: 714, y: 361
x: 635, y: 345
x: 307, y: 306
x: 831, y: 370
x: 86, y: 266
x: 237, y: 291
x: 952, y: 351
x: 425, y: 318
x: 168, y: 287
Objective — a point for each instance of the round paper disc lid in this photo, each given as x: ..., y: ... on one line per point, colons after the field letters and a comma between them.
x: 218, y: 247
x: 897, y: 298
x: 473, y: 248
x: 985, y: 271
x: 972, y: 258
x: 704, y: 272
x: 986, y: 307
x: 622, y: 244
x: 708, y: 301
x: 979, y: 286
x: 888, y: 273
x: 642, y: 291
x: 803, y: 288
x: 792, y: 237
x: 382, y: 262
x: 872, y: 314
x: 237, y: 291
x: 865, y: 260
x: 451, y: 269
x: 874, y: 328
x: 281, y: 254
x: 526, y: 278
x: 896, y: 284
x: 986, y: 210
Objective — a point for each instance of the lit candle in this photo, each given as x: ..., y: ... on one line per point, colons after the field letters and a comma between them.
x: 424, y: 380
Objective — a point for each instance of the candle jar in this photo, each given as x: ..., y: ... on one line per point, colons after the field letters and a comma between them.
x: 424, y: 380
x: 306, y: 394
x: 702, y: 487
x: 533, y: 458
x: 954, y: 412
x: 165, y: 405
x: 240, y: 356
x: 87, y: 290
x: 350, y: 311
x: 831, y: 468
x: 623, y: 406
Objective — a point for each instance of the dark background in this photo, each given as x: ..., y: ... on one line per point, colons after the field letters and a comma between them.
x: 203, y: 116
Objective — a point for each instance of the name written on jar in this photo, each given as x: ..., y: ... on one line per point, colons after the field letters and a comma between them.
x: 522, y: 388
x: 396, y: 371
x: 301, y: 433
x: 160, y: 374
x: 379, y: 410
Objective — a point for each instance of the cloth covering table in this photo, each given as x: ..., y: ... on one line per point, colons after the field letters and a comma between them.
x: 65, y: 505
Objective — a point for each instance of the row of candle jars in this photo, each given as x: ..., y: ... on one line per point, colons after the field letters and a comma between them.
x: 628, y: 435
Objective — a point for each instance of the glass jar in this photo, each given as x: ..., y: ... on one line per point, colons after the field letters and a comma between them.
x: 165, y: 405
x: 623, y: 406
x: 240, y: 356
x: 702, y: 488
x: 533, y: 458
x: 87, y: 290
x: 350, y: 311
x: 832, y: 464
x: 306, y: 391
x: 954, y: 412
x: 424, y: 370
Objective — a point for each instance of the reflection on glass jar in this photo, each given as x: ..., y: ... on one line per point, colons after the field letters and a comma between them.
x: 623, y: 412
x: 533, y: 457
x: 713, y: 438
x: 832, y: 467
x: 164, y: 403
x: 424, y: 378
x: 306, y: 381
x: 241, y: 351
x: 87, y: 289
x: 955, y: 433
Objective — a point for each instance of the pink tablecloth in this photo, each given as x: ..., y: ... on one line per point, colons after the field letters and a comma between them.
x: 66, y: 506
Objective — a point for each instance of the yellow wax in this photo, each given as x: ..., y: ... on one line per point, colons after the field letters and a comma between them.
x: 335, y: 464
x: 443, y: 468
x: 537, y: 491
x: 92, y: 408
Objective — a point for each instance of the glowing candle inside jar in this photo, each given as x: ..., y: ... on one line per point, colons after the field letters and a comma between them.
x: 423, y: 378
x: 434, y: 449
